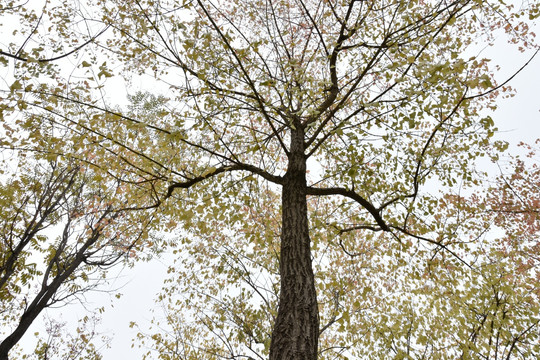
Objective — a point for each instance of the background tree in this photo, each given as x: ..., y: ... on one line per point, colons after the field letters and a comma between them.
x: 40, y: 270
x: 377, y: 98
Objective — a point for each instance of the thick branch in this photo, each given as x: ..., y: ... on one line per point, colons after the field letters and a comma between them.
x: 223, y: 169
x: 354, y: 196
x: 334, y: 88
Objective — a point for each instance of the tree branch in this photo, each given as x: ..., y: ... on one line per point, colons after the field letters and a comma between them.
x: 20, y: 58
x: 223, y: 169
x: 354, y: 196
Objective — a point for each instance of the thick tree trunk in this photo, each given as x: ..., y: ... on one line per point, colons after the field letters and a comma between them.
x: 296, y: 331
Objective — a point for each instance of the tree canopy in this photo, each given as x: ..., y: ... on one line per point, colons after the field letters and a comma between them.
x: 315, y: 159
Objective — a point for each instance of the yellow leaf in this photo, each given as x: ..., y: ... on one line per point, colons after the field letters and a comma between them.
x: 16, y: 86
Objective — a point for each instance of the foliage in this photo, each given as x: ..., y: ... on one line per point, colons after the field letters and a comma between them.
x: 351, y: 113
x: 61, y: 344
x: 59, y: 235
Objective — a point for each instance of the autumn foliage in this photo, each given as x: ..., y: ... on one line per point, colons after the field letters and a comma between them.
x: 311, y: 168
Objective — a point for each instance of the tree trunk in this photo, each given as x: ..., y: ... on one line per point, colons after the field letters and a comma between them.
x: 41, y: 301
x: 48, y: 291
x: 296, y: 331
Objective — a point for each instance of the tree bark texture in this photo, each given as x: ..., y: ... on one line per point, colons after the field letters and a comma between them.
x: 296, y: 330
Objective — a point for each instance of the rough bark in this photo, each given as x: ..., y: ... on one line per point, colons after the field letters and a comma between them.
x: 296, y: 331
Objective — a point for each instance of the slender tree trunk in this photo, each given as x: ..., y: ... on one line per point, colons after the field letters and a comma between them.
x: 296, y: 331
x: 46, y: 293
x: 26, y: 320
x: 41, y: 301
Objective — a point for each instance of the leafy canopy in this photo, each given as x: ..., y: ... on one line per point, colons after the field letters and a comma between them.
x: 389, y: 99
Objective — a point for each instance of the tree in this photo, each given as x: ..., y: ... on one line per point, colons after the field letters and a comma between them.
x: 39, y: 270
x: 377, y: 98
x: 381, y: 301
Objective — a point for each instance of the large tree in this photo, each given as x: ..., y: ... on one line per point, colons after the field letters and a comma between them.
x: 350, y: 110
